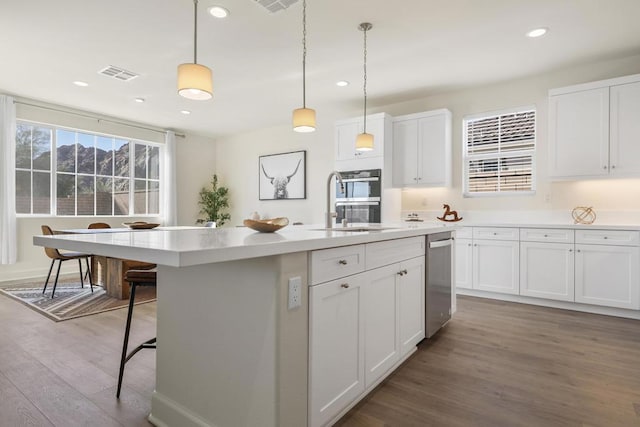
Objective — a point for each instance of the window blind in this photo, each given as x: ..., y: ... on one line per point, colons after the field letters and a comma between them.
x: 499, y: 153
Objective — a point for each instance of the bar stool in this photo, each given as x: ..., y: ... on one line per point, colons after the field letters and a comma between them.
x: 135, y: 278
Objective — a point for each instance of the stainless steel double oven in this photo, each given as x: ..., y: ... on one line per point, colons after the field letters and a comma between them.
x: 361, y: 199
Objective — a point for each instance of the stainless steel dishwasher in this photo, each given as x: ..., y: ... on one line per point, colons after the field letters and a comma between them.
x: 438, y: 287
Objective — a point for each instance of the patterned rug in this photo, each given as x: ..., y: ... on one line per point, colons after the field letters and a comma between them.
x: 71, y: 301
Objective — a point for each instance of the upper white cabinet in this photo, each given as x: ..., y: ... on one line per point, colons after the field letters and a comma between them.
x: 347, y: 158
x: 422, y: 149
x: 593, y: 129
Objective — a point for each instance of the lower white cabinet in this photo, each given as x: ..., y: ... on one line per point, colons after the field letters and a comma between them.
x: 608, y: 275
x: 464, y: 263
x: 411, y: 303
x: 336, y: 347
x: 496, y: 266
x: 547, y: 270
x: 362, y: 325
x: 394, y: 304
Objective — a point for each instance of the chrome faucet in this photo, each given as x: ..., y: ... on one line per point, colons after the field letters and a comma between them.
x: 331, y: 215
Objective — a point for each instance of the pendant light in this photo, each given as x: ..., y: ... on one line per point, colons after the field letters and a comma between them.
x: 194, y: 80
x: 364, y: 141
x: 304, y: 119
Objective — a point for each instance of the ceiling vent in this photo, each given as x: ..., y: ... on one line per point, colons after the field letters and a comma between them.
x: 274, y: 6
x: 118, y: 73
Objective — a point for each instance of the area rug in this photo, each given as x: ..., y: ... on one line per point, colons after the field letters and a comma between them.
x: 71, y: 301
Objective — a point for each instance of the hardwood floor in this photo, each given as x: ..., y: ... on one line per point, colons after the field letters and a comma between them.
x: 495, y: 364
x: 65, y: 374
x: 505, y: 364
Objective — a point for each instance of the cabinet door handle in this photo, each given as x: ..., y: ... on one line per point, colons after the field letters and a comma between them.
x: 605, y: 237
x: 604, y: 167
x: 546, y: 235
x: 570, y: 250
x: 613, y: 166
x: 405, y: 271
x: 400, y: 273
x: 345, y: 285
x: 475, y: 244
x: 577, y: 250
x: 342, y: 262
x: 469, y: 244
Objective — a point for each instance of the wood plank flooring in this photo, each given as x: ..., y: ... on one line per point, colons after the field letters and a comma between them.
x: 495, y: 364
x: 507, y: 364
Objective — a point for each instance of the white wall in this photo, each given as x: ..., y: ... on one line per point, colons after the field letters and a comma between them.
x: 195, y: 164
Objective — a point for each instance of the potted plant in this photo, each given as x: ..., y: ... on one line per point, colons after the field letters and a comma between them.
x: 213, y: 202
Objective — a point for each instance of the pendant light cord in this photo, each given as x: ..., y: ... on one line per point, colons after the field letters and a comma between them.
x: 195, y: 31
x: 365, y: 81
x: 304, y: 53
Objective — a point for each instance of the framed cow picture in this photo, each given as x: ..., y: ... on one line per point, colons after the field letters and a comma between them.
x: 283, y: 176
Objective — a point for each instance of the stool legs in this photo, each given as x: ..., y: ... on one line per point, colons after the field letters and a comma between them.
x: 124, y: 358
x: 126, y: 338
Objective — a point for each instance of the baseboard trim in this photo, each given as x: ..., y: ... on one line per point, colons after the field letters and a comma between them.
x: 566, y: 305
x: 166, y: 412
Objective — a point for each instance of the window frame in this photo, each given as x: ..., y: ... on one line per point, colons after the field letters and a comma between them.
x: 466, y: 158
x: 53, y: 173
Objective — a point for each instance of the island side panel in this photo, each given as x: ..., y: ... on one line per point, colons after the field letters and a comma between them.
x: 223, y: 355
x: 293, y: 348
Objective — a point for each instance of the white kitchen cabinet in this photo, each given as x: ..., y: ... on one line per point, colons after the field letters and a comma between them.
x: 411, y: 303
x: 361, y: 325
x: 607, y: 271
x: 593, y: 129
x: 421, y: 154
x: 625, y: 129
x: 547, y: 270
x: 608, y: 275
x: 464, y: 263
x: 347, y: 158
x: 336, y: 347
x: 381, y: 319
x: 496, y: 266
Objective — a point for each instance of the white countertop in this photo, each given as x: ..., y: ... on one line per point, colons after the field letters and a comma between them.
x: 541, y: 224
x: 192, y: 246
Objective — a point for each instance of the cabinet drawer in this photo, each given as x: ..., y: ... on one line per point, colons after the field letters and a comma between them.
x: 554, y: 235
x: 392, y: 251
x: 608, y: 237
x: 464, y: 233
x: 333, y: 263
x: 495, y: 233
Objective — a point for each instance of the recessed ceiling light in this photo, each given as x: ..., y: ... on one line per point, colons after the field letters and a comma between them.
x: 342, y: 83
x: 140, y: 100
x: 81, y: 84
x: 538, y: 32
x: 185, y: 112
x: 218, y: 12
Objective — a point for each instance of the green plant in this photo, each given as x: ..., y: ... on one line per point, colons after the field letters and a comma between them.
x: 213, y: 202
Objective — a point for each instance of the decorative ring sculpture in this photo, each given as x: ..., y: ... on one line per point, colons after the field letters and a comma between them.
x: 583, y: 215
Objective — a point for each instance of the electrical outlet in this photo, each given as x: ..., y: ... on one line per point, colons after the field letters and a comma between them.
x: 295, y: 292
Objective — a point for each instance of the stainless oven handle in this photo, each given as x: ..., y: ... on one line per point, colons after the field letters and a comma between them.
x: 357, y: 199
x: 357, y: 203
x: 440, y: 243
x: 361, y: 179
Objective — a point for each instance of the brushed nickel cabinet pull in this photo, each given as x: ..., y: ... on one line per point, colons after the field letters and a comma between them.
x: 342, y: 262
x: 345, y: 285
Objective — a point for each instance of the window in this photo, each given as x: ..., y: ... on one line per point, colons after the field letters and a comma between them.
x: 499, y: 153
x: 67, y: 172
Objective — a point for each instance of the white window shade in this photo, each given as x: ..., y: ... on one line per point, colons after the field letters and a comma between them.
x: 499, y: 153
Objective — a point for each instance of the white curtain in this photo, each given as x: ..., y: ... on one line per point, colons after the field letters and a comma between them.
x: 8, y: 235
x: 169, y: 180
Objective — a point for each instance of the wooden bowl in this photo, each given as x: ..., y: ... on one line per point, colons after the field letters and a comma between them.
x: 140, y: 225
x: 266, y: 225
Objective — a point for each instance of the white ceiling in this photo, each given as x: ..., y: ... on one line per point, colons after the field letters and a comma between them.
x: 416, y: 48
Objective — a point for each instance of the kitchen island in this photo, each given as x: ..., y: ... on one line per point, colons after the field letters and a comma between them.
x: 230, y: 351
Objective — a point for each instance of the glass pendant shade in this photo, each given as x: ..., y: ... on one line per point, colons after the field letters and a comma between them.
x: 364, y: 142
x: 304, y: 120
x: 195, y: 81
